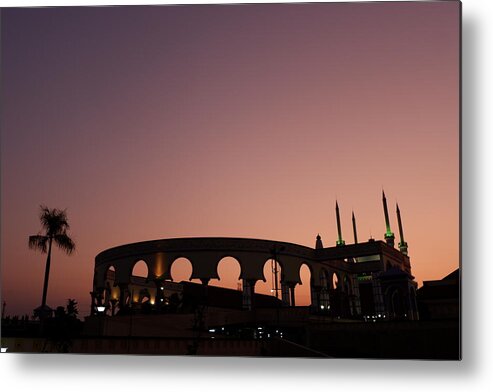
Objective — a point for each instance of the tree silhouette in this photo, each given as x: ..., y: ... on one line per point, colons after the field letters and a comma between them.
x: 72, y: 310
x: 61, y: 330
x: 55, y: 226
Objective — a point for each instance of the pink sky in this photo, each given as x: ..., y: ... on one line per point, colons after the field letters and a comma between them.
x: 237, y: 121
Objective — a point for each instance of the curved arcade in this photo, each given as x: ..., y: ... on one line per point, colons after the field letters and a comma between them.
x: 362, y: 280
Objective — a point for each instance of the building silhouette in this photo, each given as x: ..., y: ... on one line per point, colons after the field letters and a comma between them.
x: 369, y: 281
x: 440, y: 299
x: 363, y: 303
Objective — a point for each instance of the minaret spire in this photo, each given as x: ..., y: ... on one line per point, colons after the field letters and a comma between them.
x: 354, y: 230
x: 389, y: 236
x: 340, y: 241
x: 402, y: 243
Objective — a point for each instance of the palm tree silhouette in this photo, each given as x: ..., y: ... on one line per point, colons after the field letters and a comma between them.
x: 55, y: 227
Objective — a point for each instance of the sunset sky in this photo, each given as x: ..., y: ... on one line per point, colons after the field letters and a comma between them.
x: 227, y: 120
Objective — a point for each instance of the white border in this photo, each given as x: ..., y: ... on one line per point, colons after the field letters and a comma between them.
x: 474, y: 373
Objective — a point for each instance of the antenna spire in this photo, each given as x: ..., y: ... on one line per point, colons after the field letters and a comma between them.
x: 354, y: 229
x: 340, y: 241
x: 389, y: 236
x: 402, y: 243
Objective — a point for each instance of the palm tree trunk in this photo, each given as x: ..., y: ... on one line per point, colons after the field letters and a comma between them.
x: 47, y: 274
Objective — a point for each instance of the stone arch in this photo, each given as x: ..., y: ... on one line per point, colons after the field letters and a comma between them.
x: 181, y: 269
x: 280, y: 266
x: 303, y: 290
x: 345, y: 295
x: 144, y: 296
x: 267, y: 284
x: 335, y: 281
x: 110, y: 290
x: 325, y: 285
x: 110, y: 273
x: 101, y: 275
x: 395, y: 302
x: 229, y: 272
x: 140, y: 284
x: 141, y: 269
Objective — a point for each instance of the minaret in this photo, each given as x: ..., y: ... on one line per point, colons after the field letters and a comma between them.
x: 389, y: 236
x: 354, y: 230
x: 318, y: 243
x: 340, y: 241
x: 402, y: 243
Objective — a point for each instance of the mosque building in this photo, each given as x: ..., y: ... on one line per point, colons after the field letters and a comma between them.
x: 368, y: 281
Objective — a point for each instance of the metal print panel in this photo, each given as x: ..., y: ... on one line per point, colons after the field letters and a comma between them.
x: 232, y: 180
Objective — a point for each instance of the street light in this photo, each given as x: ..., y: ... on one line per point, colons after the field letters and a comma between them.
x: 101, y: 320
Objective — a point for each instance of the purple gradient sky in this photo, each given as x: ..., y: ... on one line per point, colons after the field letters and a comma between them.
x: 229, y: 120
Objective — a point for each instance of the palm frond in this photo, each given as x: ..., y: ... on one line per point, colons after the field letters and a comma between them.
x: 38, y: 242
x: 54, y: 221
x: 64, y: 242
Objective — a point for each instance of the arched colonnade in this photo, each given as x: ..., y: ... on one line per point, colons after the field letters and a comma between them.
x: 332, y: 286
